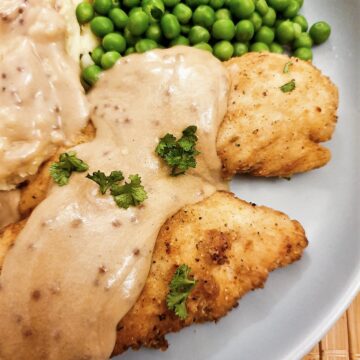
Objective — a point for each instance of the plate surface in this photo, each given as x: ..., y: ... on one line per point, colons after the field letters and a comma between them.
x: 301, y: 302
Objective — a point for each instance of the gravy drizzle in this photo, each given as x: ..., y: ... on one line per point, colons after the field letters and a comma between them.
x: 74, y: 272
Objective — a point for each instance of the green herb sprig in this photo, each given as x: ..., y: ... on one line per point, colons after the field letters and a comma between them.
x: 288, y: 87
x: 180, y: 154
x: 68, y: 163
x: 129, y: 194
x: 106, y: 182
x: 179, y: 289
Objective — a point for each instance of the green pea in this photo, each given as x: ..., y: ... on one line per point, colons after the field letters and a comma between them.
x: 138, y: 23
x: 300, y: 2
x: 195, y: 3
x: 223, y: 29
x: 304, y: 54
x: 217, y: 4
x: 244, y: 30
x: 297, y: 30
x: 102, y: 7
x: 109, y: 59
x: 130, y: 50
x: 118, y: 17
x: 131, y: 39
x: 204, y: 16
x: 223, y: 14
x: 203, y: 46
x: 183, y: 13
x: 114, y: 42
x: 198, y: 34
x: 101, y: 26
x: 223, y: 50
x: 131, y: 3
x: 256, y: 19
x: 320, y: 32
x: 259, y: 47
x: 135, y: 10
x: 285, y: 32
x: 227, y: 3
x: 96, y: 55
x: 145, y: 45
x: 276, y: 48
x: 303, y: 41
x: 240, y: 49
x: 170, y: 26
x: 261, y: 7
x: 265, y: 35
x: 115, y: 4
x: 154, y: 33
x: 154, y: 9
x: 84, y: 12
x: 269, y: 18
x: 279, y: 5
x: 180, y: 40
x: 171, y: 3
x: 292, y: 9
x: 301, y: 20
x: 242, y: 9
x: 91, y: 74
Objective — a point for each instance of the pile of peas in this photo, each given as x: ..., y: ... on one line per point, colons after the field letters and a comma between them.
x: 226, y: 28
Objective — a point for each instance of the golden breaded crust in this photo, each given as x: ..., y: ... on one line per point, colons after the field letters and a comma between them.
x: 8, y: 237
x: 230, y: 245
x: 267, y: 132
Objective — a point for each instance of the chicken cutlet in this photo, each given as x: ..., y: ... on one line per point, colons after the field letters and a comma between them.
x: 230, y: 245
x: 269, y: 131
x: 265, y: 132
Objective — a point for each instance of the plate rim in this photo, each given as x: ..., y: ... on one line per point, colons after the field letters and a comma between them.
x: 318, y: 332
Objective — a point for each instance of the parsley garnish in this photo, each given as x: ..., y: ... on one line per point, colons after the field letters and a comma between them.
x: 68, y: 162
x: 105, y: 182
x: 288, y: 87
x: 180, y: 288
x: 130, y: 194
x: 287, y: 67
x: 179, y: 154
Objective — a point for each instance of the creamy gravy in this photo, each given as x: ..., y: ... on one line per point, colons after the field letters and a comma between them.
x: 9, y: 202
x: 81, y: 262
x: 42, y: 104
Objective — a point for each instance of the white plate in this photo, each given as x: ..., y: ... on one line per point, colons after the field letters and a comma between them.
x: 301, y: 302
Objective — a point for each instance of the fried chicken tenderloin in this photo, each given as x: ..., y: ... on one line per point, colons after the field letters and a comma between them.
x: 269, y: 131
x: 231, y: 247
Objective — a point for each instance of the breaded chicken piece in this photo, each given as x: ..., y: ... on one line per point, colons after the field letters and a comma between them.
x: 265, y: 132
x: 230, y: 245
x: 268, y: 132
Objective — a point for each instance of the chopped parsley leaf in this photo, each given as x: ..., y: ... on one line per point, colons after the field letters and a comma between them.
x: 288, y: 87
x: 179, y: 154
x: 287, y: 67
x: 129, y: 194
x: 68, y: 163
x: 105, y: 182
x: 180, y: 287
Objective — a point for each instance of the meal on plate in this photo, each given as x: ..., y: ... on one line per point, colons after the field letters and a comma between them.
x: 121, y: 124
